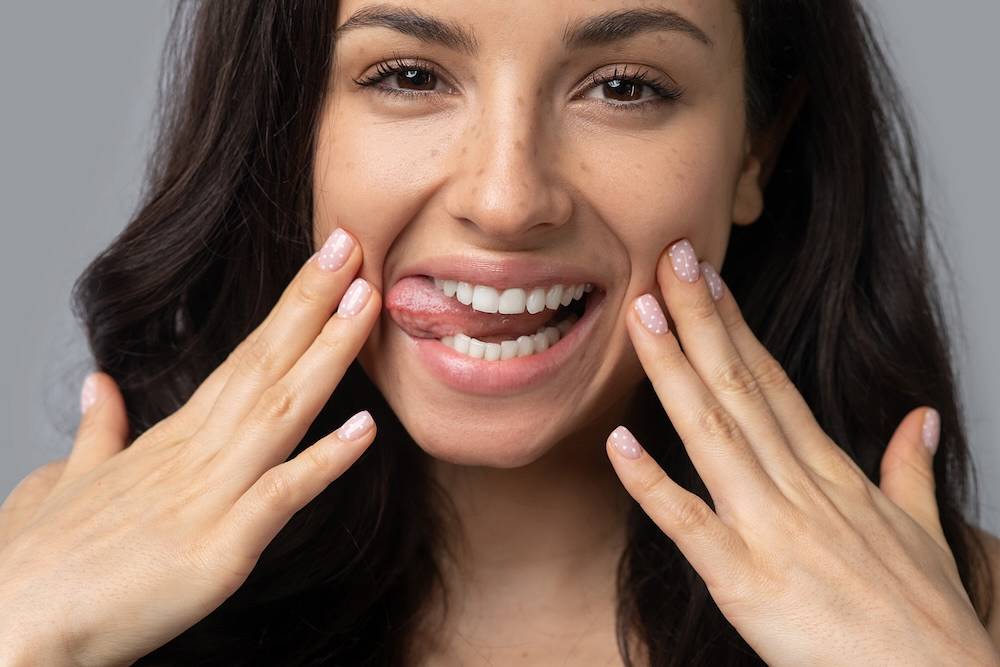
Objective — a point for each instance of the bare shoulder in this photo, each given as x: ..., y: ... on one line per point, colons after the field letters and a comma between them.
x: 991, y: 543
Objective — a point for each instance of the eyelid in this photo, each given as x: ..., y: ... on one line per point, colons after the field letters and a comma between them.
x: 665, y: 90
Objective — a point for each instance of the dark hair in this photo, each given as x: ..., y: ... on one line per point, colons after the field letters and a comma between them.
x: 226, y: 220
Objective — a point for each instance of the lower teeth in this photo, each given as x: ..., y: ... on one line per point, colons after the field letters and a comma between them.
x: 523, y: 346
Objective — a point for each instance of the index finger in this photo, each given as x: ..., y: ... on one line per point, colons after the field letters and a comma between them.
x: 339, y: 255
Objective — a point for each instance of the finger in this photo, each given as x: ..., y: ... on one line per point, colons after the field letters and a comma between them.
x: 794, y: 416
x: 712, y: 354
x: 303, y: 309
x: 262, y: 510
x: 907, y: 469
x: 286, y: 409
x: 706, y: 541
x: 103, y: 428
x: 717, y: 447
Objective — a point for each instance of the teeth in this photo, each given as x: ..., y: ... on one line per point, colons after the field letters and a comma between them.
x: 554, y: 297
x: 513, y: 301
x: 525, y: 346
x: 463, y: 292
x: 540, y: 341
x: 536, y: 301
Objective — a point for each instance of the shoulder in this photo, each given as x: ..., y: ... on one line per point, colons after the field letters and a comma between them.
x: 991, y: 544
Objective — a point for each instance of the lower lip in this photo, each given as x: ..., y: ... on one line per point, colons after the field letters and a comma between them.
x: 495, y: 378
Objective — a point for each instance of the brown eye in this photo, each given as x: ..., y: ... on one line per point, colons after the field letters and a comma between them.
x: 623, y: 90
x: 416, y: 79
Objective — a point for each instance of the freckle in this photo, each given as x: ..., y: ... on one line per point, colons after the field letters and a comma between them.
x: 348, y: 166
x: 433, y: 152
x: 520, y: 101
x: 583, y: 167
x: 462, y: 152
x: 480, y: 171
x: 518, y: 144
x: 538, y: 92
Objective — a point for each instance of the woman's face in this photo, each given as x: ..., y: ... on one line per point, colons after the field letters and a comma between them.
x: 517, y: 146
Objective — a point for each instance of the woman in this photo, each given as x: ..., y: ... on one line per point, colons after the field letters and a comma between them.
x: 522, y: 211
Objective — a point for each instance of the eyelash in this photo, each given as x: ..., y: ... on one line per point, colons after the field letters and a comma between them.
x: 665, y: 92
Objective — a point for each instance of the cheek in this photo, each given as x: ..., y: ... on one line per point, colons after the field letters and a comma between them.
x: 373, y: 179
x: 653, y: 192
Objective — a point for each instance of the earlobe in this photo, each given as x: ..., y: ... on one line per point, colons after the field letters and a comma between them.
x: 762, y: 156
x: 748, y: 202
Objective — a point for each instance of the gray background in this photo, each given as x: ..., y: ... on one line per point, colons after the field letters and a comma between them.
x: 79, y: 81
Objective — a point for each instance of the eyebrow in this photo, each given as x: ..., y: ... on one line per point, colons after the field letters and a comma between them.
x: 592, y: 31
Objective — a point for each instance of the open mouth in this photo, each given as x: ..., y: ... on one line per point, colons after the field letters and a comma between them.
x: 484, y: 322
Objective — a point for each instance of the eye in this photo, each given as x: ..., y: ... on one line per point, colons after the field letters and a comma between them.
x: 417, y: 78
x: 635, y: 90
x: 632, y: 90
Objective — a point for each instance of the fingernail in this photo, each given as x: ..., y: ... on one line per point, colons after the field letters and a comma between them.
x: 713, y: 279
x: 932, y: 429
x: 355, y: 298
x: 684, y: 261
x: 623, y: 440
x: 88, y: 393
x: 650, y: 314
x: 356, y: 426
x: 335, y: 251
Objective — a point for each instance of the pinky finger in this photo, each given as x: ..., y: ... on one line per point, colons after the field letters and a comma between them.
x: 263, y: 510
x: 714, y: 549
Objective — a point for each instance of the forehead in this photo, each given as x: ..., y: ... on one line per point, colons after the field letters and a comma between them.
x: 512, y: 23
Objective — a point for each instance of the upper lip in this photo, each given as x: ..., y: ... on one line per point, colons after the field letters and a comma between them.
x: 503, y: 273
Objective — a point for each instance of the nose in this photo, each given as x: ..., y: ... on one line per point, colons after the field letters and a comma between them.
x: 505, y: 181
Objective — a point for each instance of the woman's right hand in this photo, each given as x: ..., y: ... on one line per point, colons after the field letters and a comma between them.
x: 133, y: 545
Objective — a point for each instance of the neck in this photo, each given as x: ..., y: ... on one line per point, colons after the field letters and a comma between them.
x: 542, y: 540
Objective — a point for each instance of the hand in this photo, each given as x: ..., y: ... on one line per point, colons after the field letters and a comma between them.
x: 133, y: 545
x: 808, y: 559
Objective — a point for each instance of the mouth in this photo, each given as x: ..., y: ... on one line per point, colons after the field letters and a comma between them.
x: 499, y: 336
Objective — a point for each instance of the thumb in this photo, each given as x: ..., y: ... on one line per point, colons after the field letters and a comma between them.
x: 907, y: 470
x: 103, y: 427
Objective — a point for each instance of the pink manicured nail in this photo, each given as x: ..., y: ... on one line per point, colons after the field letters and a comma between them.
x: 684, y: 260
x: 356, y: 426
x: 623, y: 440
x: 713, y: 279
x: 88, y: 393
x: 932, y: 429
x: 650, y: 314
x: 335, y: 251
x: 355, y: 298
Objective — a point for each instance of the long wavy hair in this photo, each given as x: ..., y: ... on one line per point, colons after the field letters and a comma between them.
x: 225, y: 220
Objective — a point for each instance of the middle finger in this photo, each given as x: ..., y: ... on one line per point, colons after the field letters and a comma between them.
x: 295, y: 321
x: 711, y: 351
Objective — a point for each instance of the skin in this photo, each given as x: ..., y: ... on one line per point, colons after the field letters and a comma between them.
x: 525, y: 157
x: 183, y: 513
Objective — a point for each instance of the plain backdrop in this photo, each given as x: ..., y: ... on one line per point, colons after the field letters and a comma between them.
x: 79, y: 83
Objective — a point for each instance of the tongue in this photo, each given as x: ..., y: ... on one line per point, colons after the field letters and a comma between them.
x: 423, y: 311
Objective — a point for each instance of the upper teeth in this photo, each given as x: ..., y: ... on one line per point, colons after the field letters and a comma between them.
x: 512, y: 301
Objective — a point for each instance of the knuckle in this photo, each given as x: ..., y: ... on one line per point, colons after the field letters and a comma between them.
x: 690, y: 513
x: 899, y: 464
x: 259, y: 356
x: 277, y: 403
x: 718, y: 424
x: 310, y: 291
x: 733, y: 377
x: 275, y: 489
x: 36, y: 483
x: 701, y: 307
x: 321, y: 458
x: 770, y: 374
x: 330, y: 340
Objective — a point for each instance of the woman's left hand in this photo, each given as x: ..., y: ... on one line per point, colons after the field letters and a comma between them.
x: 810, y: 561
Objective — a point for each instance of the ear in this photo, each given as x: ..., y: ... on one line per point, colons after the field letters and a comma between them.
x: 760, y: 156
